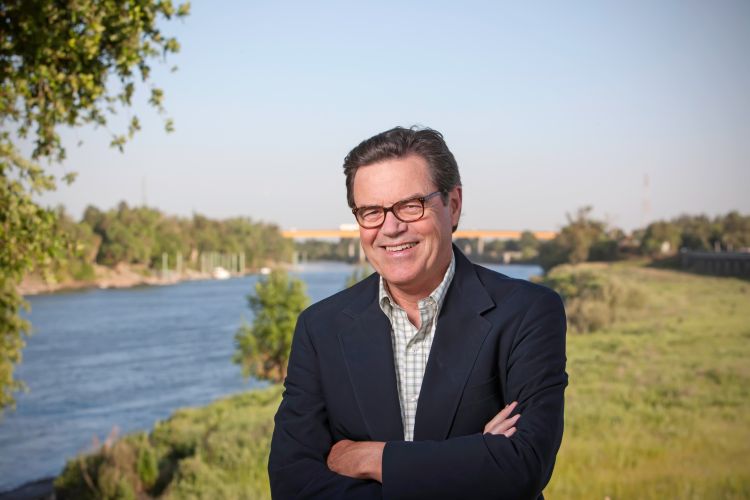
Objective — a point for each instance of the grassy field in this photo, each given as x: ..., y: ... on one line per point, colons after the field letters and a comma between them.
x: 658, y: 404
x: 658, y: 407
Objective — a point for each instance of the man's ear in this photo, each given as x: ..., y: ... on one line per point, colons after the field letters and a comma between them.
x: 455, y: 200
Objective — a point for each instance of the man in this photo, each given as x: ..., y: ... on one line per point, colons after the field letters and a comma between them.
x: 412, y: 383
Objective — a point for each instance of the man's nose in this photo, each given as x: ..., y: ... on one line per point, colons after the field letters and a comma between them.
x: 391, y: 225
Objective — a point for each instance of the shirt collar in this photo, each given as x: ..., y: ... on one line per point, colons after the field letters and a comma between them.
x: 438, y: 294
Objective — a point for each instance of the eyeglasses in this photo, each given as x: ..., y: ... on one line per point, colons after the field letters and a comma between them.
x: 410, y: 210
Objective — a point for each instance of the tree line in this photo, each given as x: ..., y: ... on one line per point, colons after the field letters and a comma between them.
x: 141, y: 235
x: 586, y: 239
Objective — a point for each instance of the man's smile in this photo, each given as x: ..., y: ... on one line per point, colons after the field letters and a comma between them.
x: 400, y: 247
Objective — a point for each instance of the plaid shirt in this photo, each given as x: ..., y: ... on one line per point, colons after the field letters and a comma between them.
x: 411, y: 345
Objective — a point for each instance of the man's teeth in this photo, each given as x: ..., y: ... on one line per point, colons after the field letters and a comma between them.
x: 400, y: 247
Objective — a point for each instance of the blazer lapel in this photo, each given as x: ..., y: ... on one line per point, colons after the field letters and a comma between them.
x: 459, y: 336
x: 368, y: 354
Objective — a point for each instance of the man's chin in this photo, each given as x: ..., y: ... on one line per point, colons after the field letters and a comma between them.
x: 402, y: 280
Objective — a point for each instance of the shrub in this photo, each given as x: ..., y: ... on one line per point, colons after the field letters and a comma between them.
x: 593, y: 300
x: 263, y: 347
x: 219, y: 451
x: 110, y: 473
x: 147, y: 466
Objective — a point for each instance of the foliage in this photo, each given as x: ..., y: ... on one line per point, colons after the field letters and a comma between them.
x: 24, y: 241
x: 55, y: 62
x: 56, y: 59
x: 658, y: 406
x: 585, y: 239
x: 580, y: 240
x: 106, y: 474
x: 697, y: 232
x: 263, y: 348
x: 324, y: 250
x: 528, y: 245
x: 660, y: 236
x: 735, y: 231
x: 79, y: 246
x: 593, y: 298
x: 218, y: 451
x: 140, y: 235
x: 262, y: 243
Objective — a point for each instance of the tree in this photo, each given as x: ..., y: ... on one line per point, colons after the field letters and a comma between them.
x: 263, y: 348
x: 698, y: 232
x: 573, y: 243
x: 582, y: 239
x: 661, y: 237
x: 735, y: 231
x: 56, y: 63
x: 529, y: 245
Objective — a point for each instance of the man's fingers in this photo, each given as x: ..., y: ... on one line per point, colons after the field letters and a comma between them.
x: 504, y: 425
x: 508, y: 433
x: 502, y: 415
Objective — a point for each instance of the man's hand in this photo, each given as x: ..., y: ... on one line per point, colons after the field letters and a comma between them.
x: 360, y: 460
x: 501, y: 424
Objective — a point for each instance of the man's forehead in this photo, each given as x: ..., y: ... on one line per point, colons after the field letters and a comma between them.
x: 387, y: 183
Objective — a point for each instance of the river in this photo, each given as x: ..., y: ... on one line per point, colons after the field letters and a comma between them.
x: 100, y: 360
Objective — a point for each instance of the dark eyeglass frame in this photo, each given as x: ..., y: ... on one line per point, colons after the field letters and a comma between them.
x: 393, y: 209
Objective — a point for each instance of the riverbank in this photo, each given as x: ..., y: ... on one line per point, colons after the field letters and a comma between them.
x: 120, y: 276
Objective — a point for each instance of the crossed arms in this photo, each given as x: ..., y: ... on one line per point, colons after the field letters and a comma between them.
x: 364, y: 459
x: 508, y: 458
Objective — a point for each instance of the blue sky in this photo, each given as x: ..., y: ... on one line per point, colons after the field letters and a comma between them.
x: 547, y: 106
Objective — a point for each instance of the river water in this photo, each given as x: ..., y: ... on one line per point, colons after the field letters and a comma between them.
x: 122, y: 359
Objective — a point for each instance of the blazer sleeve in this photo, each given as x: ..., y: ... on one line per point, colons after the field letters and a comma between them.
x: 493, y: 466
x: 301, y: 438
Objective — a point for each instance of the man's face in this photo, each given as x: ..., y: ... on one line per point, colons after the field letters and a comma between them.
x: 411, y: 256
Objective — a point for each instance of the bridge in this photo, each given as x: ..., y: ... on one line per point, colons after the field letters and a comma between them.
x: 351, y: 232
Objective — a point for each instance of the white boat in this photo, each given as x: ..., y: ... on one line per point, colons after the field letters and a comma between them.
x: 219, y: 273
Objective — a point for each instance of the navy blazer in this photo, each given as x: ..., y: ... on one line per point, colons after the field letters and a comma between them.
x: 497, y: 340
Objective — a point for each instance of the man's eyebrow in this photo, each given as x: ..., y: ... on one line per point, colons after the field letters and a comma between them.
x: 415, y: 195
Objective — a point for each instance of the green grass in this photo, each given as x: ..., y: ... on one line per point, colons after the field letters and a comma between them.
x: 658, y: 406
